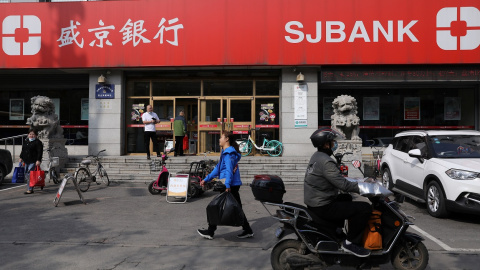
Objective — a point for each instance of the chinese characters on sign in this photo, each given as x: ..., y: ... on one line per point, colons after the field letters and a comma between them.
x: 300, y: 105
x: 132, y: 31
x: 105, y: 91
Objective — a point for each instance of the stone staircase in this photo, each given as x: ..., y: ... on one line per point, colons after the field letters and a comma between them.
x: 137, y: 168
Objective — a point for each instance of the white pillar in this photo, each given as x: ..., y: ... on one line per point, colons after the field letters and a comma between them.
x: 105, y: 117
x: 296, y: 141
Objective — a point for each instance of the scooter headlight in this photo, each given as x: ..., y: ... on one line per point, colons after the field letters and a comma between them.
x: 461, y: 174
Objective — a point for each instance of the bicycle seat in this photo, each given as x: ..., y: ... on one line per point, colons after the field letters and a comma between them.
x: 86, y: 162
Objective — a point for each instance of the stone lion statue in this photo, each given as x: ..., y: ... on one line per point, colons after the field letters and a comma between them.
x: 344, y: 118
x: 44, y: 118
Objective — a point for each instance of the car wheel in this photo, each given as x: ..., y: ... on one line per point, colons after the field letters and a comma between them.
x: 387, y: 179
x: 436, y: 202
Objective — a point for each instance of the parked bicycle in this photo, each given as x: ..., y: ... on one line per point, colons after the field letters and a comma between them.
x: 52, y: 163
x: 377, y: 155
x: 84, y: 176
x: 273, y: 147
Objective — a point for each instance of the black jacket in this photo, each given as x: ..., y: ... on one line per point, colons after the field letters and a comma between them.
x: 32, y: 151
x: 323, y: 180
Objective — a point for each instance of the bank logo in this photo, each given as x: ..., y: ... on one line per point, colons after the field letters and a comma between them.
x: 21, y: 35
x: 458, y: 28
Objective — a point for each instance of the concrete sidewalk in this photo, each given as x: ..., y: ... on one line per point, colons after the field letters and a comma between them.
x: 125, y: 227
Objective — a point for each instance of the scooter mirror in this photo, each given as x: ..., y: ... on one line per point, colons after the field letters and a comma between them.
x: 357, y: 163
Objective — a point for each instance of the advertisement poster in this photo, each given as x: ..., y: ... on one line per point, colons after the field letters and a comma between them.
x: 327, y: 108
x: 453, y: 108
x: 371, y: 108
x: 16, y: 109
x: 411, y: 108
x: 84, y: 112
x: 267, y: 114
x: 137, y: 111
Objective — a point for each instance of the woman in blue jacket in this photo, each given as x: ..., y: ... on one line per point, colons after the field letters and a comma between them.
x: 227, y: 169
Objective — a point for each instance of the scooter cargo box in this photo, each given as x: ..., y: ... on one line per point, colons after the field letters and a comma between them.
x: 268, y: 188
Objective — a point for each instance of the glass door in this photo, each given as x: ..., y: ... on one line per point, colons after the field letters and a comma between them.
x: 210, y: 124
x: 164, y: 108
x: 239, y: 116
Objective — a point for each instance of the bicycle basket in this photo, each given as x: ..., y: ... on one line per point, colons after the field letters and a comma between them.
x: 55, y: 161
x: 155, y: 166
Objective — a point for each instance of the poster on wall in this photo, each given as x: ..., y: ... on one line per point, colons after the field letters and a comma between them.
x: 137, y: 111
x: 300, y: 105
x: 452, y: 108
x: 267, y: 114
x: 411, y: 108
x: 84, y: 106
x: 371, y: 108
x: 327, y: 108
x: 56, y: 102
x: 16, y: 109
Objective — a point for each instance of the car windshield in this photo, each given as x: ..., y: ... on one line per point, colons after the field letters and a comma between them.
x: 456, y: 146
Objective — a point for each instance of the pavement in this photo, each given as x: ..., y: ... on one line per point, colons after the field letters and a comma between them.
x: 123, y: 226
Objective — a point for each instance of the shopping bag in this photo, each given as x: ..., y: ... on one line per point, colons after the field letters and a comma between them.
x: 37, y: 177
x: 224, y: 210
x: 372, y: 237
x: 185, y: 143
x: 19, y: 174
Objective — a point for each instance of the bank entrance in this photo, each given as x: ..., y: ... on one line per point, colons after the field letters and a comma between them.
x: 247, y: 106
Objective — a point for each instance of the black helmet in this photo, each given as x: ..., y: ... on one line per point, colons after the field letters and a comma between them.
x: 323, y: 135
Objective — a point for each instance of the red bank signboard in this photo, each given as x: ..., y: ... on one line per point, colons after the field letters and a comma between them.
x: 149, y: 33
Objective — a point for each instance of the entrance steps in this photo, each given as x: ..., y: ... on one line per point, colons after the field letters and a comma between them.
x: 137, y: 168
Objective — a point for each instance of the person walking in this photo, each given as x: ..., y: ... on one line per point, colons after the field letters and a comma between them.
x: 150, y: 118
x: 180, y: 129
x: 227, y: 169
x: 31, y: 155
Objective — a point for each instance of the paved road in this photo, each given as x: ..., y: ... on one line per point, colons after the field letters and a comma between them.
x: 124, y: 227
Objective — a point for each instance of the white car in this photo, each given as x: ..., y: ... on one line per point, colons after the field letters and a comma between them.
x: 438, y: 167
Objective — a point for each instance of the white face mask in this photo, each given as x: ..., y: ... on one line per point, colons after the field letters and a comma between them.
x: 31, y: 139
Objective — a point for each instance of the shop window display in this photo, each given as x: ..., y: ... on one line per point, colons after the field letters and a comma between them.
x: 385, y: 112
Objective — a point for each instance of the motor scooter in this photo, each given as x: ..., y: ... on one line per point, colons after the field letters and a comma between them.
x: 341, y: 166
x: 157, y: 186
x: 198, y: 171
x: 318, y: 241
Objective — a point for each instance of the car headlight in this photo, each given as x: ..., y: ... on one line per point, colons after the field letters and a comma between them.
x: 461, y: 175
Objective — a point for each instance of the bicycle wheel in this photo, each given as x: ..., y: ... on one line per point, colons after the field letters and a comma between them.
x: 53, y: 175
x: 104, y: 176
x: 83, y: 182
x: 245, y: 148
x: 277, y: 148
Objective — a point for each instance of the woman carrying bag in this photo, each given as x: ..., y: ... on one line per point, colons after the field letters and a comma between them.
x: 31, y: 155
x: 227, y: 169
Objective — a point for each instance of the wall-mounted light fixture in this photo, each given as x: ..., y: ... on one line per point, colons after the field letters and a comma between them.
x: 300, y: 77
x: 102, y: 79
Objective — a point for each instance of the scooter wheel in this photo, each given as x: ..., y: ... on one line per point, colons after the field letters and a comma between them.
x: 152, y: 190
x: 278, y: 257
x: 402, y: 261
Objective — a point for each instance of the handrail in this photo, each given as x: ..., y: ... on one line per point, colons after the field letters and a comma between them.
x: 13, y: 143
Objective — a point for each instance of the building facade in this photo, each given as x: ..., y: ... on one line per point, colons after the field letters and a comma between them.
x: 235, y: 65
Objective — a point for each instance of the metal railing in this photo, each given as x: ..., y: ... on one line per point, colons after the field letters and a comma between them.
x: 6, y: 140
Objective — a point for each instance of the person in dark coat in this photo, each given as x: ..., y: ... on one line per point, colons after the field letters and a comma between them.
x: 323, y: 181
x: 31, y: 155
x: 179, y: 129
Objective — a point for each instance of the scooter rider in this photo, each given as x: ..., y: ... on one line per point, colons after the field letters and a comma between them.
x: 323, y: 180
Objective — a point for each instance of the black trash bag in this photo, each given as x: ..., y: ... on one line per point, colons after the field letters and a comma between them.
x: 224, y: 210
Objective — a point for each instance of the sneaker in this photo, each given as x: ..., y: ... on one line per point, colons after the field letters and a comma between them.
x: 205, y: 234
x: 355, y: 250
x: 245, y: 234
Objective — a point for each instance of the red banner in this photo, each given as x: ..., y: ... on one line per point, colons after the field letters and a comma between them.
x: 229, y: 33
